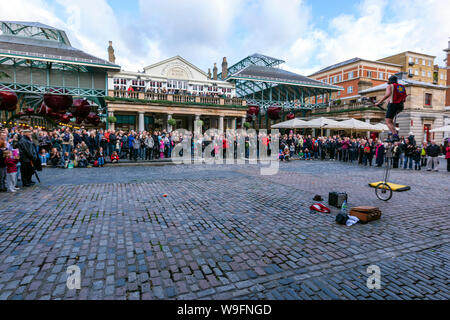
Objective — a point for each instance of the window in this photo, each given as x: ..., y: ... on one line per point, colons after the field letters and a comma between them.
x: 410, y: 71
x: 442, y: 76
x: 417, y: 61
x: 411, y: 59
x: 325, y: 80
x: 428, y: 98
x: 416, y: 72
x: 423, y: 74
x: 423, y: 61
x: 339, y: 94
x: 429, y: 63
x: 340, y: 77
x: 350, y: 89
x: 350, y: 75
x: 429, y: 74
x: 381, y: 75
x: 369, y: 74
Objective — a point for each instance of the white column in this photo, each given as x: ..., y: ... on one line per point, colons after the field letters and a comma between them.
x: 111, y: 124
x: 141, y: 121
x: 221, y: 124
x: 233, y: 125
x: 169, y: 127
x: 328, y: 132
x: 196, y: 126
x: 189, y: 120
x: 368, y: 132
x: 244, y: 118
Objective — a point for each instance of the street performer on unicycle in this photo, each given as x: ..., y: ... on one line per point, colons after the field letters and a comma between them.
x: 396, y: 96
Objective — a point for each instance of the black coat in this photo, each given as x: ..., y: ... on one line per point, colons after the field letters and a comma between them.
x: 26, y: 149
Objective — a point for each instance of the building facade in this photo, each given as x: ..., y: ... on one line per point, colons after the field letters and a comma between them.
x: 419, y: 67
x: 354, y: 75
x: 424, y: 108
x: 173, y: 89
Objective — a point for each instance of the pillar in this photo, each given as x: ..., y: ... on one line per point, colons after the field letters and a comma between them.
x: 233, y: 125
x: 328, y: 132
x: 244, y: 118
x: 368, y: 132
x: 169, y: 127
x: 112, y: 126
x: 190, y: 123
x: 221, y: 123
x: 141, y: 121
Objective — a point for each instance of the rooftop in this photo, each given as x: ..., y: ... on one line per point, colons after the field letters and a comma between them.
x: 406, y: 83
x: 37, y: 41
x: 269, y: 74
x: 350, y: 61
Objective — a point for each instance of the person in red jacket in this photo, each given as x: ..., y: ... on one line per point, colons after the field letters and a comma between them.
x: 447, y: 154
x: 11, y: 171
x: 114, y: 157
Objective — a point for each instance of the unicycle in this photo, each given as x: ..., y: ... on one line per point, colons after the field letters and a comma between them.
x: 383, y: 191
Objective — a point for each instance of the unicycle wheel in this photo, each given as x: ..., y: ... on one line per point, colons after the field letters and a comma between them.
x: 383, y: 191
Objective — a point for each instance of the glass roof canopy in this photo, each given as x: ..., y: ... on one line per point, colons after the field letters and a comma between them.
x: 260, y: 80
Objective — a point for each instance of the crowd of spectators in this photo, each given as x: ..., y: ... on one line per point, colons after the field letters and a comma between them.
x: 66, y: 148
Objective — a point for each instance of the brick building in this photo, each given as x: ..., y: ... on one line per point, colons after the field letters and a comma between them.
x: 354, y: 75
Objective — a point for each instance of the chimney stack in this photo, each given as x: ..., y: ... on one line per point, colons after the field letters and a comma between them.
x: 209, y: 73
x: 215, y: 72
x: 224, y: 68
x: 111, y: 56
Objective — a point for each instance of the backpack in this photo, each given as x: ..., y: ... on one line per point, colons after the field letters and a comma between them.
x: 399, y: 95
x: 341, y: 218
x: 367, y: 149
x: 66, y: 137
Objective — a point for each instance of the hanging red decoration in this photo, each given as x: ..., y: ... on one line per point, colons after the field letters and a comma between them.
x: 64, y: 118
x: 44, y: 109
x: 290, y: 116
x: 274, y: 112
x: 8, y: 99
x: 81, y: 108
x: 93, y: 118
x: 253, y: 110
x: 58, y: 102
x: 29, y: 110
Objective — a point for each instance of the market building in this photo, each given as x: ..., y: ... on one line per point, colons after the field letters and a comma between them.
x: 37, y: 59
x: 172, y: 89
x: 174, y: 93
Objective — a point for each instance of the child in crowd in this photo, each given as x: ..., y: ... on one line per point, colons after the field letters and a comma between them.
x: 286, y: 153
x: 292, y: 149
x: 65, y: 160
x: 161, y: 149
x: 11, y: 171
x: 2, y: 165
x: 300, y: 153
x: 44, y: 156
x: 417, y: 157
x: 114, y: 157
x: 82, y: 162
x: 100, y: 157
x: 307, y: 154
x: 54, y: 157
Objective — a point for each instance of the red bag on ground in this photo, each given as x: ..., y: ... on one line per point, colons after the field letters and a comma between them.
x: 319, y: 208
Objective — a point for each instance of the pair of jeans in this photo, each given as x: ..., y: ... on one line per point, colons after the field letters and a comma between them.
x: 408, y: 160
x: 432, y: 163
x: 101, y: 161
x: 66, y: 148
x: 416, y: 164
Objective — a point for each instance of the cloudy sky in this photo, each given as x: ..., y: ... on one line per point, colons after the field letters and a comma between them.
x: 307, y: 34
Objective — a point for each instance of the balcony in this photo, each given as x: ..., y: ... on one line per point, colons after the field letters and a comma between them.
x: 177, y: 98
x: 357, y: 106
x: 411, y: 63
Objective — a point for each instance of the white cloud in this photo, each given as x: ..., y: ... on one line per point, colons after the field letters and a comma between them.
x: 203, y: 31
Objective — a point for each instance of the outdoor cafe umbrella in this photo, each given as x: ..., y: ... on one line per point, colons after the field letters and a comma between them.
x: 322, y: 122
x: 289, y: 124
x: 442, y: 129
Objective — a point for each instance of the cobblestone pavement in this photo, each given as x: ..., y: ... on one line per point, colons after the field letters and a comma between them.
x: 222, y: 232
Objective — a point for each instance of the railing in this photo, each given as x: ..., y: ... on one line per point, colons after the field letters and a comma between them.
x: 349, y: 107
x: 178, y: 98
x: 50, y: 56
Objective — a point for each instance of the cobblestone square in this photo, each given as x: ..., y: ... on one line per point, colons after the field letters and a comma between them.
x: 222, y: 232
